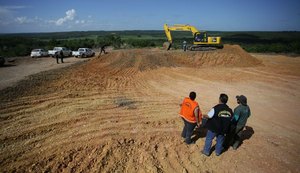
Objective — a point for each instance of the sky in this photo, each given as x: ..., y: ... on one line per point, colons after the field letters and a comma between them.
x: 28, y: 16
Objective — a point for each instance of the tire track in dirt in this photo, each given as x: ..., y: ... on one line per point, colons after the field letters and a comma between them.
x: 275, y: 80
x: 270, y: 76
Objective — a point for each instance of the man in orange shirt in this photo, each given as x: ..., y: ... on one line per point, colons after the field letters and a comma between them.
x: 191, y: 116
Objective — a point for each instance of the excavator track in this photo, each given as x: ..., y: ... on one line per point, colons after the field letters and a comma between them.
x: 204, y: 47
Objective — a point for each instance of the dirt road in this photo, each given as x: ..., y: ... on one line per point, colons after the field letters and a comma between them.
x: 18, y: 68
x: 119, y: 113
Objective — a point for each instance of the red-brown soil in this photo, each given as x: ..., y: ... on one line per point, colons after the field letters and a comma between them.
x: 119, y: 113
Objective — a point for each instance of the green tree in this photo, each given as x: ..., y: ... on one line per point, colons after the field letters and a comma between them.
x: 110, y: 40
x: 141, y: 43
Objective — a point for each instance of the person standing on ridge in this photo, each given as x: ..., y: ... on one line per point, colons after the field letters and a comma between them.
x: 191, y: 116
x: 59, y: 54
x: 184, y: 46
x: 102, y: 50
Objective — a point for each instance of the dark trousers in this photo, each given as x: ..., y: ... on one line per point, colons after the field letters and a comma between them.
x: 237, y: 137
x: 229, y: 139
x: 102, y: 50
x: 61, y: 59
x: 233, y: 138
x: 187, y: 131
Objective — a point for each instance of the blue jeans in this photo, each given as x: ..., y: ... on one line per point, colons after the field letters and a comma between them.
x: 208, y: 141
x: 187, y: 131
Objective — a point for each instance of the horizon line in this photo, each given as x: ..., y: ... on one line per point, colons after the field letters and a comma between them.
x: 8, y: 33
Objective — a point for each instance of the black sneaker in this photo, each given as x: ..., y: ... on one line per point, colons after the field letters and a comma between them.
x: 193, y: 142
x: 235, y: 146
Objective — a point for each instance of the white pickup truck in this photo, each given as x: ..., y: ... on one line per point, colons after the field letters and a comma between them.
x: 83, y: 53
x: 66, y: 51
x: 38, y: 53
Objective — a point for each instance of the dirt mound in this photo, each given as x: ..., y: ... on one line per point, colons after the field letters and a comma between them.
x: 229, y: 56
x: 145, y: 59
x: 118, y: 68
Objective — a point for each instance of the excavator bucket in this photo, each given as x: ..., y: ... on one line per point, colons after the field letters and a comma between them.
x: 167, y: 45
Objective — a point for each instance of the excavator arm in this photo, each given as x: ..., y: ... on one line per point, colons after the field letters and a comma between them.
x: 178, y: 27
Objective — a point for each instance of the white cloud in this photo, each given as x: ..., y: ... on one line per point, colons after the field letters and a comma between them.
x: 7, y: 14
x: 4, y: 11
x: 80, y: 22
x: 15, y: 7
x: 9, y: 10
x: 23, y: 20
x: 70, y: 15
x: 10, y: 17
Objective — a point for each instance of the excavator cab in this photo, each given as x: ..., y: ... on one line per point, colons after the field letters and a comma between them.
x: 200, y: 37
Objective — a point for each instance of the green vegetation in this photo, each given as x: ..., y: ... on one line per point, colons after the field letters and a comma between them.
x: 22, y: 44
x: 277, y: 42
x: 112, y: 40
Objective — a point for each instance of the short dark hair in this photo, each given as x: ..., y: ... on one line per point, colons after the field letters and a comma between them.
x: 223, y: 98
x: 192, y: 95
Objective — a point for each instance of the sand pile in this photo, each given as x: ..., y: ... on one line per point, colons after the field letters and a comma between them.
x: 121, y: 67
x: 229, y: 56
x: 145, y: 59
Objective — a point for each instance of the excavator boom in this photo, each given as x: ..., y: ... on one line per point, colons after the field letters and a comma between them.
x: 178, y: 27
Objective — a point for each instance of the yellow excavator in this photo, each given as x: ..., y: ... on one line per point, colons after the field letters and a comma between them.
x: 201, y: 40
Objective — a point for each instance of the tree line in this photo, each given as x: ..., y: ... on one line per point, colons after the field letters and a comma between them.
x: 22, y: 44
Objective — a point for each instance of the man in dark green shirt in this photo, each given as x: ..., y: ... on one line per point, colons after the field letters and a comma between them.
x: 241, y: 114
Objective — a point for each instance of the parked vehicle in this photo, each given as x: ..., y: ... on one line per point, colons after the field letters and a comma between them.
x: 66, y: 51
x: 83, y: 53
x: 38, y: 53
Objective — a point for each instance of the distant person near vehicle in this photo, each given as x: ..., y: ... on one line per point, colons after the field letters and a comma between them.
x: 241, y: 114
x: 60, y: 55
x: 191, y: 116
x: 102, y: 50
x: 184, y: 46
x: 218, y: 124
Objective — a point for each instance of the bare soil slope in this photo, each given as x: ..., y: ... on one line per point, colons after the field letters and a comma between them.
x: 118, y: 113
x: 16, y: 69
